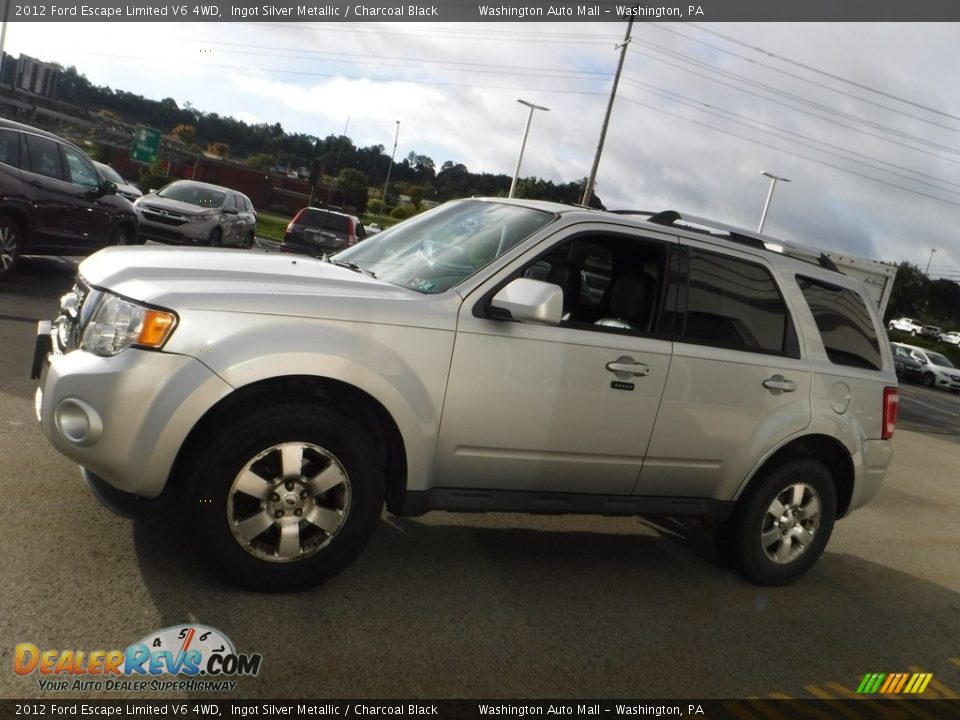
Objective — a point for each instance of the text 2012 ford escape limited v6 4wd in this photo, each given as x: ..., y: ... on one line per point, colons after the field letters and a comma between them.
x: 487, y: 355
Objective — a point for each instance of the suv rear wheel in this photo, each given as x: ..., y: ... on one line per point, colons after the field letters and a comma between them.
x: 283, y: 497
x: 781, y: 526
x: 9, y: 247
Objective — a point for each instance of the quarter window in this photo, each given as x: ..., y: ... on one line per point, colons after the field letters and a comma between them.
x: 845, y: 324
x: 735, y: 303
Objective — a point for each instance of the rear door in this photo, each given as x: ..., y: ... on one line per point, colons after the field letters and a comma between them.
x: 63, y: 186
x: 737, y: 384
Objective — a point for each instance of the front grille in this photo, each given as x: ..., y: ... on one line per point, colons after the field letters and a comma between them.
x: 66, y: 328
x: 164, y: 217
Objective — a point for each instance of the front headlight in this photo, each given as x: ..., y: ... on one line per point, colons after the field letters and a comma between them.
x: 118, y: 324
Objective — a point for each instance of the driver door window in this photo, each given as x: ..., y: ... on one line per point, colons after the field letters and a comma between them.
x: 80, y: 171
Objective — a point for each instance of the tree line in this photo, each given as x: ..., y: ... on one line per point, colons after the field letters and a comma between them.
x: 269, y: 146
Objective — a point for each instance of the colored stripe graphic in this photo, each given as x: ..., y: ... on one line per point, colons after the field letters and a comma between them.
x: 894, y: 683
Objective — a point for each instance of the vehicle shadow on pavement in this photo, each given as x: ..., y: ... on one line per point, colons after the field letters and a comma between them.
x: 582, y: 607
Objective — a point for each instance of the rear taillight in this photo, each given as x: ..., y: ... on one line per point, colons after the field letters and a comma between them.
x: 891, y: 408
x: 294, y: 221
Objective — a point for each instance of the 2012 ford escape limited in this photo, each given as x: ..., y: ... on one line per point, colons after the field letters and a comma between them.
x: 488, y: 355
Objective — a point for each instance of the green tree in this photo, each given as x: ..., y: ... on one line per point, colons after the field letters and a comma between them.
x: 261, y: 161
x: 352, y: 187
x: 909, y: 296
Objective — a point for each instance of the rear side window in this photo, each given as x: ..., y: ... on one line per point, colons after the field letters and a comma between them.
x: 44, y: 157
x: 735, y: 303
x: 10, y: 147
x: 845, y: 324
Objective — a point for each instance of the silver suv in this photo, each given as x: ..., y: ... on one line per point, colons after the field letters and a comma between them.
x: 488, y: 355
x: 197, y: 213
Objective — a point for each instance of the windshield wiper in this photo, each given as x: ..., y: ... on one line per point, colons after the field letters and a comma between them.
x: 350, y: 265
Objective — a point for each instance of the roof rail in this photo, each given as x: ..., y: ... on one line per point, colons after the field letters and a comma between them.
x: 737, y: 235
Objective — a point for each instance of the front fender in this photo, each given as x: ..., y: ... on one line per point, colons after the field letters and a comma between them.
x: 404, y: 368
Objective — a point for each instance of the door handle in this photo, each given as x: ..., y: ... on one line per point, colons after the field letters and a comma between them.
x: 626, y: 367
x: 778, y: 383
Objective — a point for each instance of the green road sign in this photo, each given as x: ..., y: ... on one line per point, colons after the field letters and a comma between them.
x: 146, y: 145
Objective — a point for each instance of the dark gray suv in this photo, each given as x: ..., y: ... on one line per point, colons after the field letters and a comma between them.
x: 53, y: 201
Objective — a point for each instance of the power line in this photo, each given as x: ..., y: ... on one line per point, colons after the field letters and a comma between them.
x: 664, y: 28
x: 827, y: 74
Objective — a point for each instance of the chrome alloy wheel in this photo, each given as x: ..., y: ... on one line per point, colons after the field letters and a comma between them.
x: 8, y: 246
x: 790, y: 523
x: 288, y: 502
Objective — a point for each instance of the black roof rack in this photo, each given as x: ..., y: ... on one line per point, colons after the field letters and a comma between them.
x: 737, y: 235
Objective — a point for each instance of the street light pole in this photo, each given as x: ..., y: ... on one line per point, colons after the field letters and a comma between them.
x: 766, y: 205
x: 927, y: 271
x: 383, y: 200
x: 523, y: 144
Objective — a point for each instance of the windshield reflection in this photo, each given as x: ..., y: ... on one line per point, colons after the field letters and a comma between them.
x: 438, y: 249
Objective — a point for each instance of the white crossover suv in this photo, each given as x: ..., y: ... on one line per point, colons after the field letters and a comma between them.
x: 486, y: 356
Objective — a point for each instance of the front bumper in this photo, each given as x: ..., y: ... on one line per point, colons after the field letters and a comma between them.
x: 124, y: 418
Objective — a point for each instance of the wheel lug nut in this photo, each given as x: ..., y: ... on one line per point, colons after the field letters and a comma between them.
x: 288, y: 486
x: 274, y: 497
x: 278, y: 513
x: 303, y: 494
x: 298, y: 512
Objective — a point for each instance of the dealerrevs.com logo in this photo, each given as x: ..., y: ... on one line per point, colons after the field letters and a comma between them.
x: 201, y: 658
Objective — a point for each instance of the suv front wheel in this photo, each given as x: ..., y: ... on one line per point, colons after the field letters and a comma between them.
x: 781, y: 526
x: 283, y: 497
x: 9, y: 246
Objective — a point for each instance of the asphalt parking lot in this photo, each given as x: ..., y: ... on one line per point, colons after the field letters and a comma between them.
x: 495, y: 606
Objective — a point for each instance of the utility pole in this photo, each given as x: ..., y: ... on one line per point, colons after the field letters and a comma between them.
x: 927, y: 271
x: 588, y: 190
x: 383, y: 201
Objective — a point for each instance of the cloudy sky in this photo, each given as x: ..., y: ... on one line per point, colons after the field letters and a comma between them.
x: 863, y: 118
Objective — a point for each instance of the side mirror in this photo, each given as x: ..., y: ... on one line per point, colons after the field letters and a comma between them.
x: 108, y: 188
x: 530, y: 301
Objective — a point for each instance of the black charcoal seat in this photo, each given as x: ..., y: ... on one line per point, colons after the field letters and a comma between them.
x: 631, y: 301
x: 567, y: 276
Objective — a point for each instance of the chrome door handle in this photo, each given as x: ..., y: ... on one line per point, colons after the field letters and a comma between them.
x: 779, y: 383
x: 624, y: 366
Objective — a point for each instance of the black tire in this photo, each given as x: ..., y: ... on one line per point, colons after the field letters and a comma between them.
x: 740, y: 540
x: 250, y: 448
x: 929, y: 380
x: 216, y: 238
x: 248, y: 241
x: 123, y: 235
x: 10, y: 247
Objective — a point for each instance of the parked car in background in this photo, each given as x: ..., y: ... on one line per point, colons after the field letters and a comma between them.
x: 951, y: 338
x: 287, y: 402
x: 906, y: 325
x: 53, y: 201
x: 931, y: 331
x: 907, y: 366
x: 936, y: 370
x: 130, y: 191
x: 317, y: 232
x: 197, y: 213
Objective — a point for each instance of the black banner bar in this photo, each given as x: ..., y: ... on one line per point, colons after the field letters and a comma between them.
x: 467, y: 709
x: 481, y: 11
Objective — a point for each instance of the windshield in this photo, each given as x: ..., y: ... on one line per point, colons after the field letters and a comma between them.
x: 193, y: 193
x: 436, y: 250
x: 938, y: 359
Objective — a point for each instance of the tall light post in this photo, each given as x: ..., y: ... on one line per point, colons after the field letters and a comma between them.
x: 766, y: 205
x: 927, y: 271
x: 526, y: 131
x: 383, y: 200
